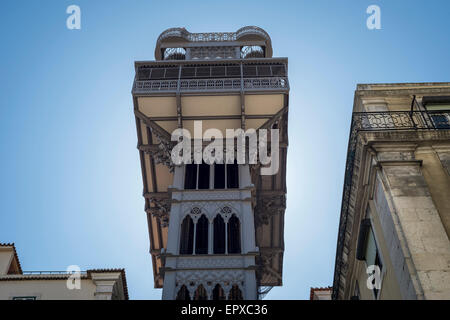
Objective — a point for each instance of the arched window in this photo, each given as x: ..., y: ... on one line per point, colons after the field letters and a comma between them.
x: 200, y: 293
x: 218, y: 293
x: 252, y: 52
x: 235, y: 293
x: 201, y: 238
x: 219, y: 235
x: 234, y: 235
x: 187, y: 236
x: 174, y: 54
x: 183, y: 294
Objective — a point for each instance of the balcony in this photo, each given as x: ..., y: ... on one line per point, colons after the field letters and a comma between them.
x: 401, y: 120
x: 216, y: 85
x: 154, y: 79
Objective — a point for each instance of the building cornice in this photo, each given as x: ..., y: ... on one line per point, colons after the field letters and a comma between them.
x: 402, y: 89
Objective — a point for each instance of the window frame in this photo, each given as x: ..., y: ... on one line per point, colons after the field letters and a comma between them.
x: 380, y: 256
x: 212, y: 176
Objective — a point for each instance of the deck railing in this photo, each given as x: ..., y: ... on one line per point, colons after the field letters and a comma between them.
x: 401, y: 120
x: 213, y: 84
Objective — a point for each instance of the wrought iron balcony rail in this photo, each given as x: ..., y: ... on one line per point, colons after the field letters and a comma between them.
x: 401, y: 120
x: 216, y: 84
x: 379, y: 121
x: 212, y: 36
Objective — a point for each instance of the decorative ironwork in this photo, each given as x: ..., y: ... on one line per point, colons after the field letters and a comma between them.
x: 268, y: 206
x: 160, y: 210
x: 223, y: 84
x: 378, y: 121
x: 220, y: 52
x: 211, y: 36
x: 252, y: 52
x: 251, y: 30
x: 174, y: 54
x: 163, y: 154
x: 265, y: 83
x: 401, y: 120
x: 155, y: 85
x: 245, y: 36
x: 264, y: 267
x: 210, y: 84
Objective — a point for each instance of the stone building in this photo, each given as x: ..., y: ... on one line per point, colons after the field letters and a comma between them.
x: 216, y: 230
x: 393, y: 239
x: 95, y: 284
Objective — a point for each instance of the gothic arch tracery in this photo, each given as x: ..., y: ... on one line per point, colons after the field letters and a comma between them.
x: 197, y: 285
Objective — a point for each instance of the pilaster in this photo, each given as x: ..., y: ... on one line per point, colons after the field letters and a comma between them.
x: 419, y: 222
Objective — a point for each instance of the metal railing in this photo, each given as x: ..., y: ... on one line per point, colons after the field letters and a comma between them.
x: 401, y: 120
x: 215, y: 84
x: 211, y: 36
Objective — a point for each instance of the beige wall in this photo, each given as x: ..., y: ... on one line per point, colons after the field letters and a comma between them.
x: 101, y: 284
x: 46, y: 289
x: 5, y: 259
x: 438, y: 181
x: 158, y: 106
x: 211, y: 105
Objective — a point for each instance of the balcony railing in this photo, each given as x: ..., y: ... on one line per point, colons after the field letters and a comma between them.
x: 216, y: 84
x: 401, y: 120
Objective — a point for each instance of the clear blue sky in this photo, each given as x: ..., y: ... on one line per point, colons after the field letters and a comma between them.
x: 70, y: 183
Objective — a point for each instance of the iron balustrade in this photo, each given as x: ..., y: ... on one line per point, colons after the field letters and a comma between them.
x: 211, y: 36
x: 215, y: 84
x: 378, y: 121
x: 401, y: 120
x: 210, y: 84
